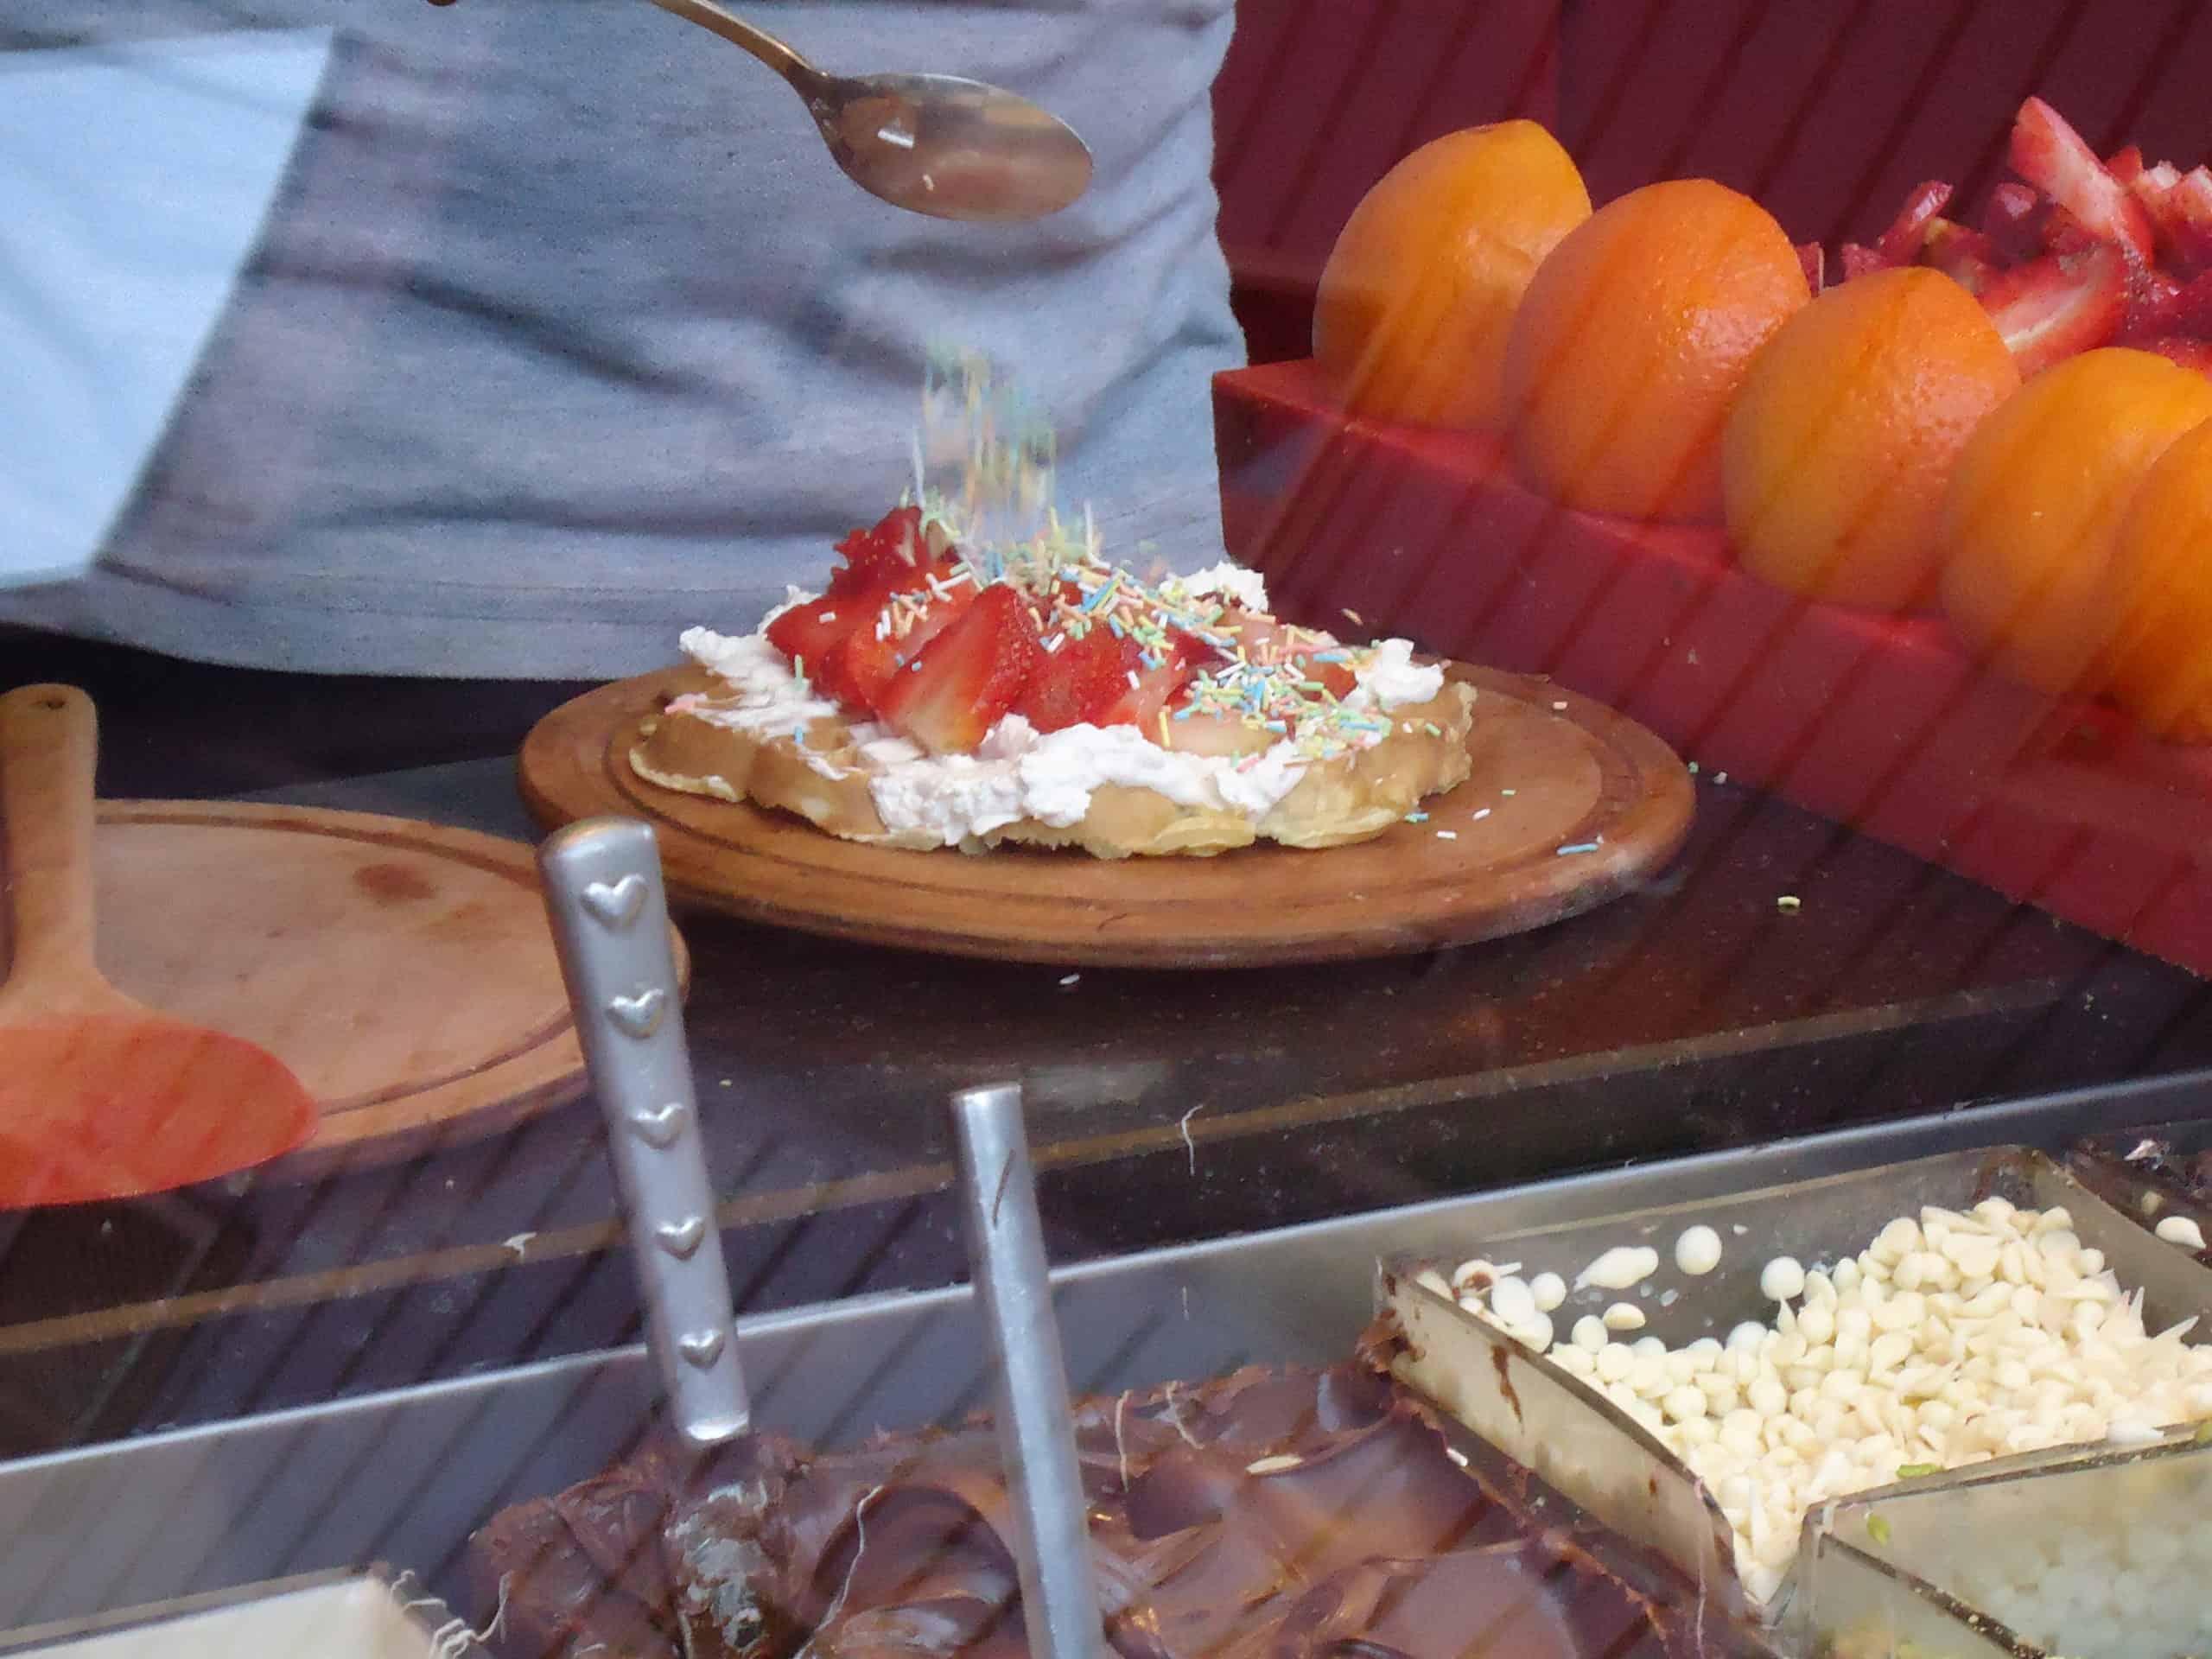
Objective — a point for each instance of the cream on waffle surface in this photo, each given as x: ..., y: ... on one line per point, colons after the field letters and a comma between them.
x: 1307, y: 769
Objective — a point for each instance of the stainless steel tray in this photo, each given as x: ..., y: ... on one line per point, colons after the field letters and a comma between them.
x: 1584, y: 1444
x: 2108, y: 1166
x: 404, y: 1477
x: 2097, y: 1553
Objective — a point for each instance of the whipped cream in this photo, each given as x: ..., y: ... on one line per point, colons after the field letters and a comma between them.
x: 1019, y: 773
x: 770, y: 697
x: 1391, y: 677
x: 1233, y: 582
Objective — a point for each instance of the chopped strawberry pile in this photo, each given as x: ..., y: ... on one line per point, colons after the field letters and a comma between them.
x: 964, y: 681
x: 2075, y: 253
x: 911, y: 634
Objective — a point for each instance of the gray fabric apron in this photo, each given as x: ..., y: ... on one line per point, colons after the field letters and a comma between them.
x: 565, y: 332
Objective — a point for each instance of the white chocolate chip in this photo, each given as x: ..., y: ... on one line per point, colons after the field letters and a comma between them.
x: 2182, y: 1230
x: 1535, y: 1331
x: 1474, y: 1273
x: 1698, y: 1251
x: 1781, y: 1279
x: 1619, y: 1268
x: 1513, y: 1302
x: 1623, y: 1316
x: 1549, y: 1291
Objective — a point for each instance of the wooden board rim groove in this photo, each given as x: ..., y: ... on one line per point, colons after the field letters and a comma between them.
x: 374, y: 830
x: 538, y: 1067
x: 574, y: 765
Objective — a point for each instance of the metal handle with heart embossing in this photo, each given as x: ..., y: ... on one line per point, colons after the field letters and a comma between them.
x: 610, y: 920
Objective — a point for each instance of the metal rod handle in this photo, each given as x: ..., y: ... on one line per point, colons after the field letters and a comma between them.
x: 1006, y: 1251
x: 804, y: 78
x: 610, y: 920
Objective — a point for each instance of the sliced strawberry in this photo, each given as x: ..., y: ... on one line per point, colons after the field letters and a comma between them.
x: 2125, y: 165
x: 1147, y: 691
x: 2186, y: 220
x: 1900, y: 243
x: 1858, y: 259
x: 810, y: 635
x: 863, y: 666
x: 2150, y: 295
x: 2013, y: 220
x: 1077, y: 684
x: 1215, y: 734
x: 1968, y: 257
x: 2063, y: 233
x: 2190, y: 352
x: 2179, y: 308
x: 1337, y: 678
x: 1270, y: 640
x: 2049, y: 153
x: 969, y: 676
x: 1259, y: 638
x: 2058, y: 305
x: 893, y: 551
x: 1815, y: 258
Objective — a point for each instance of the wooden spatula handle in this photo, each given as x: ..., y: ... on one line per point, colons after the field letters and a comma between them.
x: 49, y: 737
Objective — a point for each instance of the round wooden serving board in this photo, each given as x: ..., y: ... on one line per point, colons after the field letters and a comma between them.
x: 1577, y: 773
x: 403, y: 971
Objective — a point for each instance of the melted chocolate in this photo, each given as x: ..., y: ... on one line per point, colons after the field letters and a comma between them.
x: 1266, y: 1515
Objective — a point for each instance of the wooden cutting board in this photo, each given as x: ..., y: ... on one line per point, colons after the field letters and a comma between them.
x: 403, y: 971
x: 1569, y: 805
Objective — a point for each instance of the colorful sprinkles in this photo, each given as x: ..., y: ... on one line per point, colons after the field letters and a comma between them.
x: 1268, y: 679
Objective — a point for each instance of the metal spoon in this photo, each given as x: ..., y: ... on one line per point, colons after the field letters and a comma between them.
x: 934, y: 145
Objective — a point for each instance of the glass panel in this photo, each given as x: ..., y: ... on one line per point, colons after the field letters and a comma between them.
x: 1490, y: 628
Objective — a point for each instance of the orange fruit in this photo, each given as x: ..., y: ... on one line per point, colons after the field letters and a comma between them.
x: 2037, y: 499
x: 1410, y: 321
x: 2162, y: 582
x: 1834, y: 458
x: 1629, y: 345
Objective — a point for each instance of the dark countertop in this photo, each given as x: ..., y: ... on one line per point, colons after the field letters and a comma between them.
x: 1693, y: 1014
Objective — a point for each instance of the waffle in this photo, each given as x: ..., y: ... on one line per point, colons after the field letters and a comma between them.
x: 830, y: 778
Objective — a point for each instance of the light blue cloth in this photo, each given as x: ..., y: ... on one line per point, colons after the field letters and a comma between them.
x: 134, y: 179
x: 565, y: 332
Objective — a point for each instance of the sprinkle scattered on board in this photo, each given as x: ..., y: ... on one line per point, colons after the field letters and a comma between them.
x: 1416, y: 818
x: 1559, y: 706
x: 1448, y: 834
x: 1481, y: 813
x: 1070, y: 979
x: 1788, y: 902
x: 1579, y: 847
